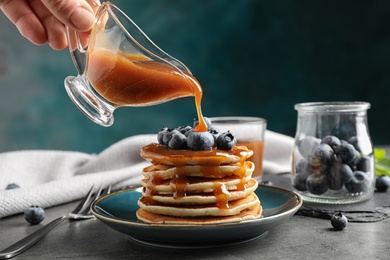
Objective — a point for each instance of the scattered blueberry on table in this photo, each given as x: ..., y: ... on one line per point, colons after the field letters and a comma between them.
x: 339, y: 221
x: 12, y: 186
x: 34, y: 215
x: 266, y: 183
x: 382, y: 183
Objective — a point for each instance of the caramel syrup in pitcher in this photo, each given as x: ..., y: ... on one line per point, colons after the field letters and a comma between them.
x: 135, y: 80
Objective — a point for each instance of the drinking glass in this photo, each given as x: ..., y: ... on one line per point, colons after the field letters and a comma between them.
x: 250, y: 132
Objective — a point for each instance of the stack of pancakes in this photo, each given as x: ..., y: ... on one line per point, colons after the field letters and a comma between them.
x: 198, y: 187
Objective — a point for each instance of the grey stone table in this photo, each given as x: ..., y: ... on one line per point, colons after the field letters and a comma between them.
x: 301, y: 237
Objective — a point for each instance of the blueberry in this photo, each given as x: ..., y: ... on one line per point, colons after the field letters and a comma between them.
x: 34, y: 215
x: 346, y: 152
x: 184, y: 129
x: 382, y: 183
x: 188, y: 132
x: 321, y: 158
x: 12, y: 186
x: 266, y: 183
x: 178, y: 140
x: 331, y: 140
x: 355, y: 160
x: 317, y: 184
x: 354, y: 141
x: 303, y: 167
x: 307, y: 145
x: 200, y: 141
x: 206, y: 119
x: 364, y: 164
x: 163, y: 134
x: 215, y: 132
x: 299, y: 182
x: 302, y: 170
x: 339, y: 174
x: 339, y: 221
x: 226, y: 141
x: 360, y: 182
x: 324, y: 152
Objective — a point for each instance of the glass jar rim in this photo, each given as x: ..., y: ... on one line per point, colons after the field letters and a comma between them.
x: 336, y: 106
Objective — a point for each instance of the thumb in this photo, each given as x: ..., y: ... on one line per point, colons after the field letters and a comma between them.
x: 76, y: 14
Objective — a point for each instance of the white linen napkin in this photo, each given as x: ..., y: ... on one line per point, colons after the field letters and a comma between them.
x: 49, y: 178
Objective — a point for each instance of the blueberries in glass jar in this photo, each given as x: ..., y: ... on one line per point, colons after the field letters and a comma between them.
x: 360, y: 182
x: 331, y: 140
x: 364, y: 164
x: 324, y: 152
x: 226, y: 141
x: 299, y: 182
x: 355, y: 160
x: 346, y: 152
x: 200, y: 141
x: 303, y: 167
x: 317, y: 184
x: 354, y: 141
x: 307, y: 145
x: 339, y: 174
x: 382, y: 183
x: 302, y: 171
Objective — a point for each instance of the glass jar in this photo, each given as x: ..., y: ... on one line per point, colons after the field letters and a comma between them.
x: 332, y: 159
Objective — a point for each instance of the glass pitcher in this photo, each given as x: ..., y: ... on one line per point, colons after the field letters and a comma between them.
x: 333, y: 160
x: 121, y: 66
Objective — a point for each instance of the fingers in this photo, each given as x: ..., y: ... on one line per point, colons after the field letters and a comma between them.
x: 20, y: 14
x: 76, y: 14
x: 55, y: 30
x: 42, y: 21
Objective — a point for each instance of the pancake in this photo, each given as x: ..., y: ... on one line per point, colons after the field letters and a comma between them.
x: 235, y: 207
x: 206, y: 197
x: 163, y: 171
x: 159, y: 154
x: 151, y: 218
x: 198, y: 187
x: 196, y: 184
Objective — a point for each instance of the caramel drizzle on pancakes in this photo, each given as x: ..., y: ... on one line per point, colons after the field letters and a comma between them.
x: 209, y: 162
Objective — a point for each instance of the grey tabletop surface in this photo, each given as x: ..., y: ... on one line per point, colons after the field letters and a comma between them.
x: 300, y: 237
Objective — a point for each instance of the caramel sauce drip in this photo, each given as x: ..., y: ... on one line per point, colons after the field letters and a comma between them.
x: 221, y: 194
x: 178, y: 184
x: 149, y: 189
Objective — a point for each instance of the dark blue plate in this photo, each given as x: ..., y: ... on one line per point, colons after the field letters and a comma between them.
x: 118, y: 211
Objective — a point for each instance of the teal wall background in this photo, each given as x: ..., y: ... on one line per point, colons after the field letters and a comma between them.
x: 252, y: 57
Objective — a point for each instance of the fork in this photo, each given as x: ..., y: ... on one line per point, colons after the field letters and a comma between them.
x: 82, y: 211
